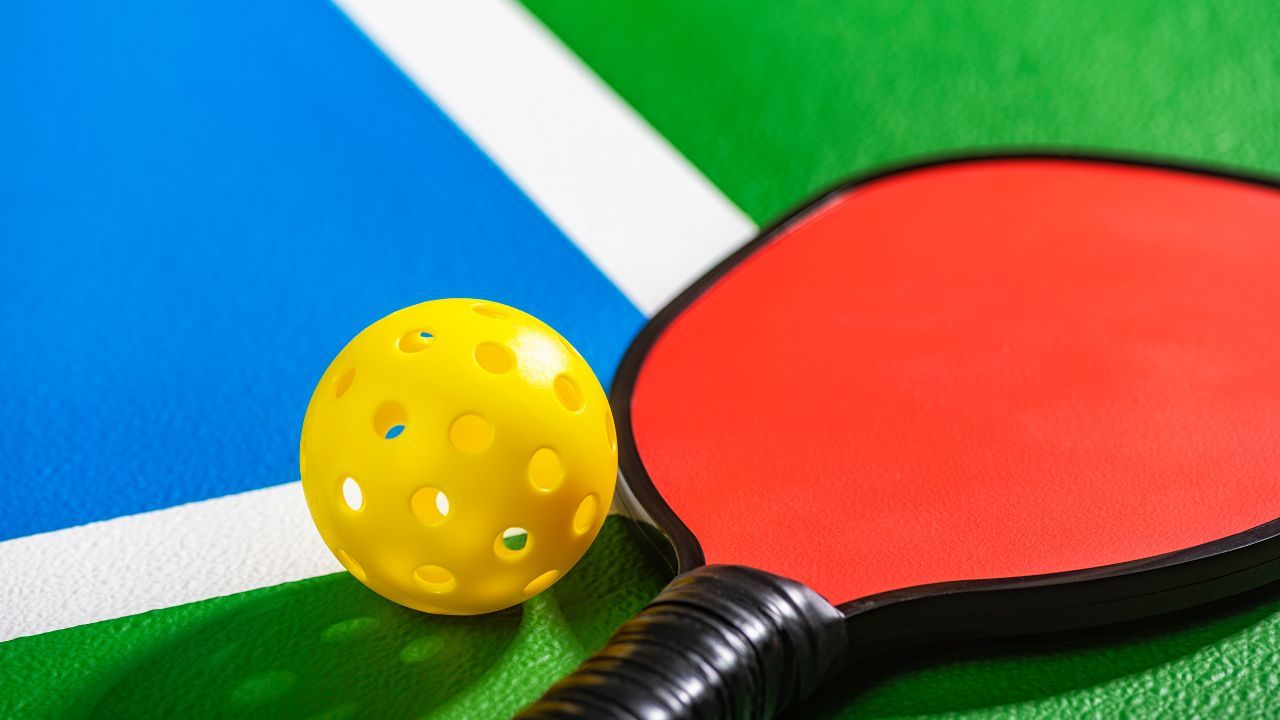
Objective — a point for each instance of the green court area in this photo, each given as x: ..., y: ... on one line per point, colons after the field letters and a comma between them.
x: 774, y: 101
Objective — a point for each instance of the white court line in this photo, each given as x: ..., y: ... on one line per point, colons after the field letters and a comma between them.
x: 646, y: 216
x: 128, y: 565
x: 629, y: 200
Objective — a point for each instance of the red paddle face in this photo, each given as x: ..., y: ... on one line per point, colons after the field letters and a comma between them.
x: 978, y: 370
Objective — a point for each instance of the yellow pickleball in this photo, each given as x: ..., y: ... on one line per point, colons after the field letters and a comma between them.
x: 458, y: 456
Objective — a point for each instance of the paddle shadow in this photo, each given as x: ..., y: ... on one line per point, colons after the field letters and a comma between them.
x: 958, y: 678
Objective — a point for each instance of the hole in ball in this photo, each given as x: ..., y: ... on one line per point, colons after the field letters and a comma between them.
x: 511, y: 543
x: 415, y: 341
x: 585, y: 516
x: 490, y: 311
x: 610, y: 430
x: 540, y: 583
x: 434, y: 579
x: 352, y: 495
x: 567, y: 392
x: 350, y: 564
x: 471, y: 433
x: 343, y: 383
x: 430, y: 505
x: 390, y: 420
x: 545, y: 470
x: 493, y: 357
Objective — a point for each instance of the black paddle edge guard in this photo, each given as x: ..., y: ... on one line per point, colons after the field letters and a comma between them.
x: 721, y: 641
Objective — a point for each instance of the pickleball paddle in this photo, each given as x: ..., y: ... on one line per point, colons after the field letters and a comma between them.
x: 972, y: 398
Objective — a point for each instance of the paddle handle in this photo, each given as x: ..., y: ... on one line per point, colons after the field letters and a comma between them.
x: 721, y: 641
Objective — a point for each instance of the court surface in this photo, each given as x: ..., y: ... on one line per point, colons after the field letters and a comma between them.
x: 199, y: 205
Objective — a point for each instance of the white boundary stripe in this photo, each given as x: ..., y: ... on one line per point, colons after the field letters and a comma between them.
x: 128, y: 565
x: 617, y: 188
x: 629, y: 200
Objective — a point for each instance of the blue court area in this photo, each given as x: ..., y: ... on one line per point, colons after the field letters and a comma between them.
x: 198, y: 207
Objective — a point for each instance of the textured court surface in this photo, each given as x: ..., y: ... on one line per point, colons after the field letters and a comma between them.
x: 200, y: 204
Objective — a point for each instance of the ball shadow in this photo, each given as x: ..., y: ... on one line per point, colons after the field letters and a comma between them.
x: 327, y: 647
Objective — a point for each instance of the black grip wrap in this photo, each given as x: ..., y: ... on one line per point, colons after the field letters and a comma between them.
x: 721, y: 641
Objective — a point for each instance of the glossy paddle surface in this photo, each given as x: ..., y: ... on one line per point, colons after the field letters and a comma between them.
x: 978, y: 370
